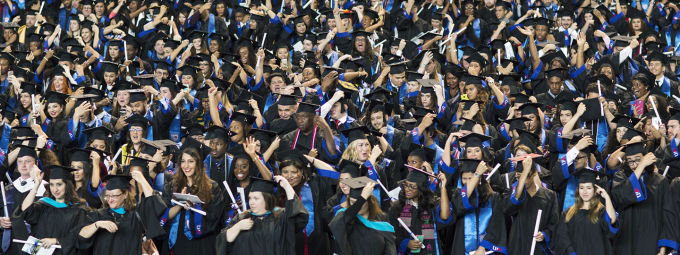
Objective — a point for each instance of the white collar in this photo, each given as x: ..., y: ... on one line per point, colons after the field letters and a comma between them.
x: 343, y: 119
x: 28, y: 186
x: 101, y: 115
x: 660, y: 80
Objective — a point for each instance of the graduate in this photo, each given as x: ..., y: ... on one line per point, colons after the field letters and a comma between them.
x: 265, y: 228
x: 117, y: 226
x: 643, y: 196
x: 54, y: 216
x: 313, y: 132
x: 479, y: 212
x: 589, y: 226
x: 87, y: 175
x: 362, y: 228
x: 423, y: 212
x: 523, y: 202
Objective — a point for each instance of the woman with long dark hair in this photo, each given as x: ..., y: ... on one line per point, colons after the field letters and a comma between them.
x: 87, y: 175
x: 265, y: 228
x: 57, y: 213
x: 589, y: 226
x: 361, y: 47
x: 200, y: 231
x: 422, y: 212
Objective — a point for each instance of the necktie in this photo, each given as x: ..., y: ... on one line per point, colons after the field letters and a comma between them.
x: 337, y: 124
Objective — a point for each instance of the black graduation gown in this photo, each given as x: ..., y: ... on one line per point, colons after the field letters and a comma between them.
x: 92, y: 201
x: 211, y: 223
x: 496, y: 234
x: 54, y: 129
x: 649, y: 208
x: 402, y: 237
x: 271, y: 234
x: 580, y: 236
x: 317, y: 241
x: 288, y: 140
x: 355, y: 238
x: 48, y: 221
x: 524, y: 212
x: 560, y: 182
x: 128, y: 238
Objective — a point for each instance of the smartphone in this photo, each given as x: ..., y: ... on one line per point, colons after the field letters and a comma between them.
x: 421, y: 238
x: 10, y: 73
x: 122, y: 112
x: 639, y: 106
x: 284, y: 62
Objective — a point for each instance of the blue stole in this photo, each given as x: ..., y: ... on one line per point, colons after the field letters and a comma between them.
x: 198, y: 222
x: 120, y: 210
x: 390, y: 134
x: 3, y: 86
x: 207, y: 119
x: 211, y: 24
x: 175, y: 128
x: 674, y: 149
x: 54, y: 203
x: 665, y: 86
x: 4, y: 140
x: 158, y: 183
x: 374, y: 176
x: 475, y: 26
x: 6, y: 15
x: 270, y: 101
x: 321, y: 96
x: 345, y: 126
x: 376, y: 225
x: 472, y: 228
x: 308, y: 200
x: 504, y: 132
x: 572, y: 185
x: 558, y: 140
x: 669, y: 31
x: 149, y: 131
x: 82, y: 137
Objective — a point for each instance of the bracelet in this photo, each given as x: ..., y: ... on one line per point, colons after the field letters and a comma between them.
x: 478, y: 175
x: 95, y: 225
x: 256, y: 108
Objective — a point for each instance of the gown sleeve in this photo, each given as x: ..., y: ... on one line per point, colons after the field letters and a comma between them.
x: 83, y: 243
x: 562, y: 244
x: 627, y: 190
x: 496, y: 235
x: 610, y: 229
x: 461, y: 203
x: 33, y: 213
x: 670, y: 233
x: 150, y: 210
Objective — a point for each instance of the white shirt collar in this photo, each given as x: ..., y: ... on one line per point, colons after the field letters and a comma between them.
x: 343, y: 119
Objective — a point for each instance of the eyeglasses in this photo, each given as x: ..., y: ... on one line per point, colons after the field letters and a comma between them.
x: 469, y: 7
x: 634, y: 162
x: 135, y: 130
x: 411, y: 187
x: 579, y: 158
x: 107, y: 196
x: 361, y: 40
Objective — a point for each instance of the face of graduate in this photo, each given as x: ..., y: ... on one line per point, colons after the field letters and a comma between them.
x: 213, y: 46
x: 656, y: 67
x: 114, y: 51
x: 110, y: 78
x: 506, y: 90
x: 35, y: 48
x: 197, y: 43
x: 426, y: 99
x: 241, y: 169
x: 413, y: 86
x: 219, y: 8
x: 237, y: 129
x: 607, y: 71
x: 257, y: 203
x: 415, y: 161
x: 7, y: 33
x: 648, y: 128
x: 565, y: 116
x: 292, y: 174
x: 532, y: 124
x: 136, y: 134
x: 304, y: 121
x: 429, y: 68
x: 336, y: 111
x: 160, y: 74
x: 343, y: 177
x: 53, y: 109
x: 165, y: 92
x: 469, y: 9
x: 648, y: 103
x: 115, y: 198
x: 473, y: 152
x: 453, y: 83
x: 541, y: 32
x: 285, y: 111
x: 24, y: 164
x: 465, y: 177
x: 99, y: 145
x: 581, y: 160
x: 30, y: 20
x: 123, y: 98
x: 25, y: 99
x: 99, y: 9
x: 411, y: 189
x: 345, y: 23
x: 555, y: 84
x: 471, y: 91
x: 620, y: 131
x: 673, y: 127
x: 363, y: 149
x: 308, y: 73
x: 218, y: 147
x: 639, y: 89
x: 87, y: 10
x: 74, y: 26
x: 138, y: 107
x: 360, y: 43
x: 58, y: 189
x: 586, y: 191
x: 636, y: 24
x: 4, y: 66
x: 366, y: 21
x: 377, y: 120
x: 79, y: 174
x: 397, y: 79
x: 188, y: 165
x: 159, y: 46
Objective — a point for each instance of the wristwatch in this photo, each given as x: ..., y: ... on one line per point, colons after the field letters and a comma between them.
x: 478, y: 175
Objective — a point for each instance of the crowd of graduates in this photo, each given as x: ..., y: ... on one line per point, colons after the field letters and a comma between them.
x: 344, y: 127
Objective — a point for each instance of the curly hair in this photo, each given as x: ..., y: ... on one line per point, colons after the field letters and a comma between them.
x: 427, y: 201
x: 70, y: 197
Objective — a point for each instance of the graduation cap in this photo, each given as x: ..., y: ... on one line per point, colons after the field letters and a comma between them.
x: 525, y: 138
x: 262, y: 185
x: 517, y: 123
x: 397, y: 68
x: 498, y: 44
x: 24, y: 131
x: 60, y: 172
x: 189, y: 142
x: 436, y: 56
x: 117, y: 181
x: 630, y: 133
x: 466, y: 124
x: 352, y: 64
x: 187, y: 70
x: 530, y: 108
x: 245, y: 119
x: 357, y: 185
x: 621, y: 41
x: 603, y: 79
x: 474, y: 140
x: 98, y: 133
x: 634, y: 13
x: 593, y: 110
x: 417, y: 175
x: 549, y: 58
x: 469, y: 165
x: 632, y: 149
x: 565, y: 13
x: 149, y: 148
x: 379, y: 93
x: 56, y: 97
x: 81, y: 155
x: 356, y: 133
x: 424, y: 153
x: 30, y: 88
x: 293, y: 155
x: 606, y: 61
x: 137, y: 96
x: 264, y: 136
x: 568, y: 104
x: 472, y: 79
x: 25, y: 150
x: 110, y: 67
x: 217, y: 132
x: 307, y: 107
x: 657, y: 56
x: 380, y: 106
x: 138, y: 121
x: 588, y: 176
x: 353, y: 169
x: 520, y: 98
x: 655, y: 46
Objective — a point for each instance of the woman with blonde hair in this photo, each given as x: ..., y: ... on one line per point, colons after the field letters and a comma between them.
x: 359, y: 151
x: 589, y: 226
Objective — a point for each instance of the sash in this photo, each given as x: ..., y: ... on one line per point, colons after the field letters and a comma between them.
x: 666, y: 86
x: 669, y: 31
x: 390, y: 134
x: 175, y: 128
x: 172, y: 236
x: 674, y: 149
x: 208, y: 118
x: 428, y: 228
x: 475, y: 26
x: 572, y: 185
x: 298, y: 135
x: 504, y: 132
x: 24, y: 121
x: 3, y: 86
x: 211, y: 24
x: 4, y: 140
x: 308, y: 200
x: 558, y: 140
x: 149, y: 131
x: 158, y: 183
x: 198, y: 222
x: 54, y: 203
x: 270, y: 101
x: 321, y: 96
x: 376, y: 225
x: 475, y: 232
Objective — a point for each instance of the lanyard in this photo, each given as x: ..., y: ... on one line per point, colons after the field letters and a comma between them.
x: 298, y: 135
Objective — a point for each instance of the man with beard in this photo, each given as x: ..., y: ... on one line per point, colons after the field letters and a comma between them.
x: 307, y: 134
x: 643, y: 197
